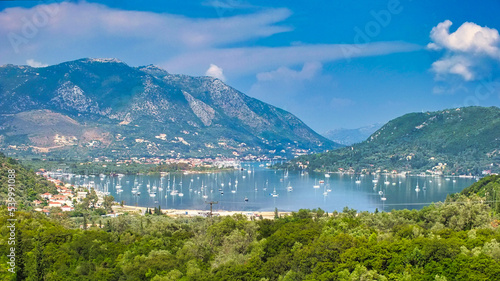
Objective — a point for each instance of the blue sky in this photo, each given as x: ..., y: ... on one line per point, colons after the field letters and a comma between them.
x: 332, y: 63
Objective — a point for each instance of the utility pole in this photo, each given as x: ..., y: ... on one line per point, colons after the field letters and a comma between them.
x: 211, y: 203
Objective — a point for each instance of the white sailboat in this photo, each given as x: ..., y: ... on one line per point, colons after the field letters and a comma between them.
x: 274, y: 194
x: 316, y: 185
x: 204, y: 188
x: 180, y: 194
x: 173, y: 192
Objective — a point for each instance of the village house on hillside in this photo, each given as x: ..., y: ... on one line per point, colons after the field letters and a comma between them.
x: 66, y: 197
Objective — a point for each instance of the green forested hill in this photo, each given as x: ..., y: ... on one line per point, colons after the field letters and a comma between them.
x: 454, y: 240
x: 27, y: 184
x: 466, y: 139
x: 489, y: 188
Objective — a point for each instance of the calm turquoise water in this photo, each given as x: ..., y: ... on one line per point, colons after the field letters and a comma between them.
x: 335, y: 193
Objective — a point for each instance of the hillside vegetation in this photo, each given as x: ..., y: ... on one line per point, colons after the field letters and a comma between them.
x: 27, y: 184
x: 455, y: 141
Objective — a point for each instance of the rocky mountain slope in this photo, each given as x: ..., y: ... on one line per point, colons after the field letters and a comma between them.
x: 103, y: 107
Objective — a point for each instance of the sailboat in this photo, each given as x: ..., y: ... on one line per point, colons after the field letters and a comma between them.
x: 417, y: 189
x: 118, y: 185
x: 289, y: 188
x: 274, y: 194
x: 135, y: 189
x: 205, y: 196
x: 315, y: 184
x: 173, y: 192
x: 180, y: 194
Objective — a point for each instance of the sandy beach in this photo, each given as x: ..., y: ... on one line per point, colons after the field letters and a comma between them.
x: 193, y: 213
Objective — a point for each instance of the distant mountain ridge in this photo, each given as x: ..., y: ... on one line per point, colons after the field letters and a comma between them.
x: 96, y: 107
x: 453, y: 141
x: 352, y: 136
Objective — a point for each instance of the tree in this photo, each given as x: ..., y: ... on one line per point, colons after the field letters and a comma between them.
x: 93, y: 198
x: 108, y: 203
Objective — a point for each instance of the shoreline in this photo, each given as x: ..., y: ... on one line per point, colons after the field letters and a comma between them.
x: 196, y: 213
x: 402, y: 175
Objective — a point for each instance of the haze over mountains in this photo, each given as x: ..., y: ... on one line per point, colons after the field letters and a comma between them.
x: 352, y: 136
x: 94, y: 107
x: 453, y: 141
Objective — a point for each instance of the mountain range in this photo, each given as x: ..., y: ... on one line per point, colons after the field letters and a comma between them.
x: 453, y: 141
x: 351, y: 136
x: 104, y: 107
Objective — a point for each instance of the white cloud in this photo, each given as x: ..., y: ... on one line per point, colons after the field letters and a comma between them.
x: 216, y: 72
x: 106, y: 31
x: 469, y: 37
x: 33, y: 63
x: 249, y: 60
x: 469, y: 51
x: 456, y: 64
x: 309, y: 70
